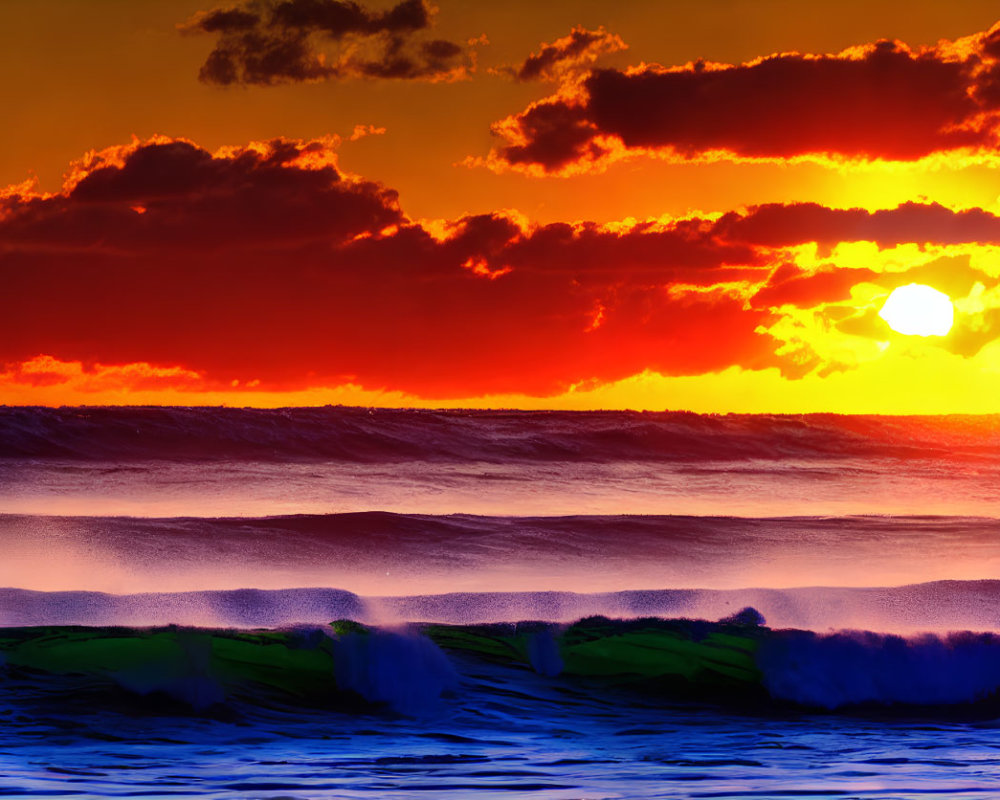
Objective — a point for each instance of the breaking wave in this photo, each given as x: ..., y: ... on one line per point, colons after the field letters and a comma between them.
x: 345, y: 666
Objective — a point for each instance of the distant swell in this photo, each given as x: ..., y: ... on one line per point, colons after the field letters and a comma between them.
x: 378, y: 554
x: 941, y: 606
x: 385, y: 435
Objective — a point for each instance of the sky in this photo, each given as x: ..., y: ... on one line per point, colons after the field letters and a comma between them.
x: 698, y: 205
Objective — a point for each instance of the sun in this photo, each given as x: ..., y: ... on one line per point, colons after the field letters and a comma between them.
x: 918, y: 310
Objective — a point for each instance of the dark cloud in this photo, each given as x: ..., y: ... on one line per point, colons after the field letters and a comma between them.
x: 337, y: 18
x: 177, y: 196
x: 226, y: 20
x: 881, y: 101
x: 266, y: 263
x: 781, y: 225
x: 552, y: 135
x: 577, y: 50
x: 281, y: 41
x: 790, y: 285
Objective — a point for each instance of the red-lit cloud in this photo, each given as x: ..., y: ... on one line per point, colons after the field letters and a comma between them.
x: 267, y: 263
x: 171, y: 194
x: 878, y: 101
x: 789, y: 285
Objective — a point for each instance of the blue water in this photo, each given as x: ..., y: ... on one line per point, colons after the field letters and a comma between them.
x: 145, y: 513
x: 504, y: 733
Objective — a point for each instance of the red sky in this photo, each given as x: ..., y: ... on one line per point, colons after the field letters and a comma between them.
x: 583, y: 205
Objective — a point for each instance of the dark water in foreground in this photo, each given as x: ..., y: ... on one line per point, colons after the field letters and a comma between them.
x: 504, y: 733
x: 159, y: 516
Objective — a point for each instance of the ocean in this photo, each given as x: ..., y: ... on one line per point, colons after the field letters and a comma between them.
x: 343, y: 602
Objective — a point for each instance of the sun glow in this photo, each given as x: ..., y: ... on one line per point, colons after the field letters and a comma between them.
x: 918, y: 310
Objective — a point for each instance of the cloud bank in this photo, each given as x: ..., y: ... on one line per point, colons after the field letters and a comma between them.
x: 877, y: 101
x: 266, y: 265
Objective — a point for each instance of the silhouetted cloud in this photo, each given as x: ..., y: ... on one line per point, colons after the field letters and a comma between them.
x: 266, y: 42
x: 579, y: 50
x: 783, y: 224
x: 267, y: 263
x: 172, y: 194
x: 793, y: 286
x: 878, y: 101
x: 553, y: 136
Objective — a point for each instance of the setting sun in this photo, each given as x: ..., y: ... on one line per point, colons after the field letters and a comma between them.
x: 918, y: 310
x: 365, y: 364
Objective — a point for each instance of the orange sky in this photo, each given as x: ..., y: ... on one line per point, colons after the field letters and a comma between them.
x: 687, y: 206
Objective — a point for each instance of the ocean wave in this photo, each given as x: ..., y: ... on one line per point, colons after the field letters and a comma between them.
x: 387, y: 435
x: 346, y: 666
x: 376, y: 554
x: 856, y: 668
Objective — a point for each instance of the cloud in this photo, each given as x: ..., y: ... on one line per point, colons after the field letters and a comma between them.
x: 790, y: 285
x: 265, y: 262
x: 267, y: 42
x: 567, y: 56
x: 46, y: 371
x: 267, y: 265
x: 784, y: 224
x: 551, y: 137
x: 880, y: 101
x: 171, y: 194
